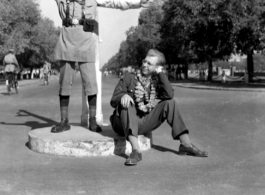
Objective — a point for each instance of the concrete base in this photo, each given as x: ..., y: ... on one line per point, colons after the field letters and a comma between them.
x: 80, y: 142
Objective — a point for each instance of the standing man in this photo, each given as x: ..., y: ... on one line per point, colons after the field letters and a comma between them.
x: 78, y: 43
x: 143, y: 102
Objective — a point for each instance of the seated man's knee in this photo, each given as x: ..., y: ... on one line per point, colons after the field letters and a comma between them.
x: 116, y: 124
x: 169, y: 101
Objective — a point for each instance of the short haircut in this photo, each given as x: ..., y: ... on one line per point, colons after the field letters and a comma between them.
x: 155, y: 53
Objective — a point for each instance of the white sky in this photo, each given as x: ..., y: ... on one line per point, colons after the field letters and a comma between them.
x: 112, y: 26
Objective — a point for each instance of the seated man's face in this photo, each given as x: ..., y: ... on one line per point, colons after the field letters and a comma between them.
x: 149, y: 65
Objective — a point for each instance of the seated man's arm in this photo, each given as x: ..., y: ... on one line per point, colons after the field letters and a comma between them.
x: 120, y: 90
x: 164, y: 87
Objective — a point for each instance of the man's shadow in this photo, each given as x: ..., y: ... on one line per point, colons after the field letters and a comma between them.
x: 163, y: 149
x: 5, y: 93
x: 32, y: 124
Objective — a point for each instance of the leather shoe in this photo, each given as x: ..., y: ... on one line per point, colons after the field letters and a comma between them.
x: 61, y: 127
x: 93, y: 126
x: 134, y: 157
x: 192, y: 151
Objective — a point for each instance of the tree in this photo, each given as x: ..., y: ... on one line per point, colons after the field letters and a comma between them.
x: 140, y: 39
x: 200, y: 29
x: 249, y: 29
x: 22, y: 28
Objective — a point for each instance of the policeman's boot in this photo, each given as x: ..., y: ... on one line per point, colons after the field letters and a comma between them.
x: 93, y: 125
x: 62, y: 126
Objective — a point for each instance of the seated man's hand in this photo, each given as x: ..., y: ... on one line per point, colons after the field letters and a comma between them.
x: 159, y: 69
x: 126, y: 100
x: 147, y: 3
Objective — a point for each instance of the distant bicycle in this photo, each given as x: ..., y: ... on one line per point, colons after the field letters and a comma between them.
x: 11, y: 83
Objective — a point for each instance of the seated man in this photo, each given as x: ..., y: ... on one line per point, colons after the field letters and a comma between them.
x: 143, y: 102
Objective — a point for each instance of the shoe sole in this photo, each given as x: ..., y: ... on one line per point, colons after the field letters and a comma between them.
x: 94, y: 130
x: 131, y: 163
x: 61, y: 131
x: 189, y: 154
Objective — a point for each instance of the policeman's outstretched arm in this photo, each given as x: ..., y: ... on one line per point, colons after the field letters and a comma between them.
x: 147, y: 3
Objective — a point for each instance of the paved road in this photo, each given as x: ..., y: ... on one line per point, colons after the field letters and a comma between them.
x: 228, y: 124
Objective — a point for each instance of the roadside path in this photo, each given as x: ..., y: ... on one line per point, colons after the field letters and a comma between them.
x: 252, y: 87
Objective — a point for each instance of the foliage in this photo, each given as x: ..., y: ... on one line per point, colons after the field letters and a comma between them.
x: 202, y: 30
x: 140, y: 38
x: 196, y: 32
x: 23, y: 29
x: 249, y: 29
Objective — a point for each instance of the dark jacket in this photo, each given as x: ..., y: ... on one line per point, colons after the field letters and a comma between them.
x: 127, y: 85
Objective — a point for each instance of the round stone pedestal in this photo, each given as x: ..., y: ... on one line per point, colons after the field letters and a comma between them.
x: 80, y: 142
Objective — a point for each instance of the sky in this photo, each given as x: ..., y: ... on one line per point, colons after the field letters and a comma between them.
x: 113, y: 24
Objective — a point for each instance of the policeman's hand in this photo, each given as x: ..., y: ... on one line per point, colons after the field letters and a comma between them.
x: 147, y: 3
x: 126, y: 100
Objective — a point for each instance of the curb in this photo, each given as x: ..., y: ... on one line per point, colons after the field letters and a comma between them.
x: 80, y: 142
x: 218, y: 88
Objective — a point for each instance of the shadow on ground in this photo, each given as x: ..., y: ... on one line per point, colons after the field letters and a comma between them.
x: 32, y: 124
x: 107, y: 131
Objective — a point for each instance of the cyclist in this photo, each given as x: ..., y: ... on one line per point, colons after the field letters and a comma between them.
x: 46, y: 70
x: 11, y: 66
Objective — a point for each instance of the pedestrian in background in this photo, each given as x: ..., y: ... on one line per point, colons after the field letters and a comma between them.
x: 223, y: 77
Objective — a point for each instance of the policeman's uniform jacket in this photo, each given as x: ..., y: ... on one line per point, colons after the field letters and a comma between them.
x: 74, y: 43
x: 127, y: 85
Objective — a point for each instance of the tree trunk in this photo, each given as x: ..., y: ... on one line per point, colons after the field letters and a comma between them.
x: 210, y: 69
x: 250, y: 66
x: 185, y: 71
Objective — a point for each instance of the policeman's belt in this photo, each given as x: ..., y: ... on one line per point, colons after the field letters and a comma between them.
x: 89, y: 25
x: 71, y: 22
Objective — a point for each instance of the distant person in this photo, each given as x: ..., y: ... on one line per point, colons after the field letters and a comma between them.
x: 46, y: 71
x: 143, y: 102
x: 11, y: 65
x: 205, y: 75
x: 178, y: 73
x: 223, y: 77
x: 46, y: 67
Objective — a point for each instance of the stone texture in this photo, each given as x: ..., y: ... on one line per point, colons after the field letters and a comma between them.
x: 80, y: 142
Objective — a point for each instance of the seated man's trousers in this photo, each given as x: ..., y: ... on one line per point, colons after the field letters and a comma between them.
x: 126, y: 121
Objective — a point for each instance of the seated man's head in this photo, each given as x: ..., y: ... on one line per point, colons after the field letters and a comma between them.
x: 153, y: 59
